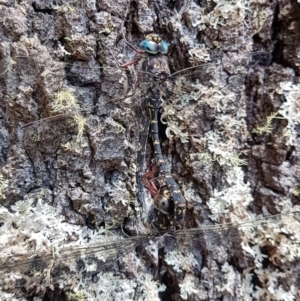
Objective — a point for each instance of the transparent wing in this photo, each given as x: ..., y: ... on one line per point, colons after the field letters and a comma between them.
x: 117, y: 84
x: 79, y: 261
x: 105, y: 83
x: 199, y: 82
x: 33, y: 272
x: 107, y: 252
x: 141, y: 162
x: 58, y: 116
x: 103, y: 255
x: 227, y: 234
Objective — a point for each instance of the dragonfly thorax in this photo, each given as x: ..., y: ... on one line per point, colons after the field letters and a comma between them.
x: 160, y: 77
x: 157, y: 66
x: 154, y: 44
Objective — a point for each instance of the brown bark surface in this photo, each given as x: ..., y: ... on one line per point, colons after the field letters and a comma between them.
x: 69, y: 137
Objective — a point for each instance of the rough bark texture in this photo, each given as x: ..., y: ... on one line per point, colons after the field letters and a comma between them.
x: 63, y: 178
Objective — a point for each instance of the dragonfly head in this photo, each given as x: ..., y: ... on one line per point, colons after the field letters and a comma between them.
x: 154, y: 44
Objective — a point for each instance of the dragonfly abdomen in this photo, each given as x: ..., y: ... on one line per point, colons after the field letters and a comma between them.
x: 157, y: 65
x: 174, y: 191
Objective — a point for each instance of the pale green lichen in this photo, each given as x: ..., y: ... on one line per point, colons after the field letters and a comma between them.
x: 229, y: 275
x: 199, y: 55
x: 222, y: 152
x: 181, y: 262
x: 118, y: 193
x: 224, y: 13
x: 188, y: 287
x: 32, y: 42
x: 150, y: 288
x: 267, y: 127
x: 204, y: 157
x: 106, y: 288
x: 61, y: 51
x: 65, y: 102
x: 282, y: 235
x: 79, y: 296
x: 237, y: 161
x: 229, y: 125
x: 65, y: 8
x: 80, y: 121
x: 273, y: 291
x: 108, y: 26
x: 290, y: 109
x: 190, y: 193
x: 237, y: 195
x: 3, y: 184
x: 208, y: 158
x: 25, y: 235
x: 296, y: 191
x: 125, y: 288
x: 119, y: 128
x: 6, y: 66
x: 262, y: 17
x: 72, y: 147
x: 173, y: 129
x: 214, y: 97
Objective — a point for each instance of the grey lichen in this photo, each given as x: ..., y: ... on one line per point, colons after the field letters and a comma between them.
x: 26, y: 239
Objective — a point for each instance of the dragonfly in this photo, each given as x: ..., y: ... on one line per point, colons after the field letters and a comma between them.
x: 182, y: 88
x: 180, y: 255
x: 157, y: 66
x: 161, y: 91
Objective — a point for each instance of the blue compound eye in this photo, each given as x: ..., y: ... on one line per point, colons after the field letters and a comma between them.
x: 149, y: 46
x: 163, y: 47
x: 154, y: 47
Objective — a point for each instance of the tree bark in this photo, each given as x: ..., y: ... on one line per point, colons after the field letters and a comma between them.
x: 69, y: 139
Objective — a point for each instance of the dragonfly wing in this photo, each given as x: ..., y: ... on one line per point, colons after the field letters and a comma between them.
x: 99, y: 256
x: 144, y: 130
x: 234, y: 237
x: 252, y: 225
x: 193, y: 83
x: 219, y: 254
x: 115, y: 84
x: 76, y: 261
x: 190, y: 85
x: 110, y: 84
x: 84, y: 72
x: 238, y: 71
x: 260, y: 58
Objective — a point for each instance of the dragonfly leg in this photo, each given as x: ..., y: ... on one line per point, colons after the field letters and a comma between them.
x: 133, y: 62
x: 148, y: 182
